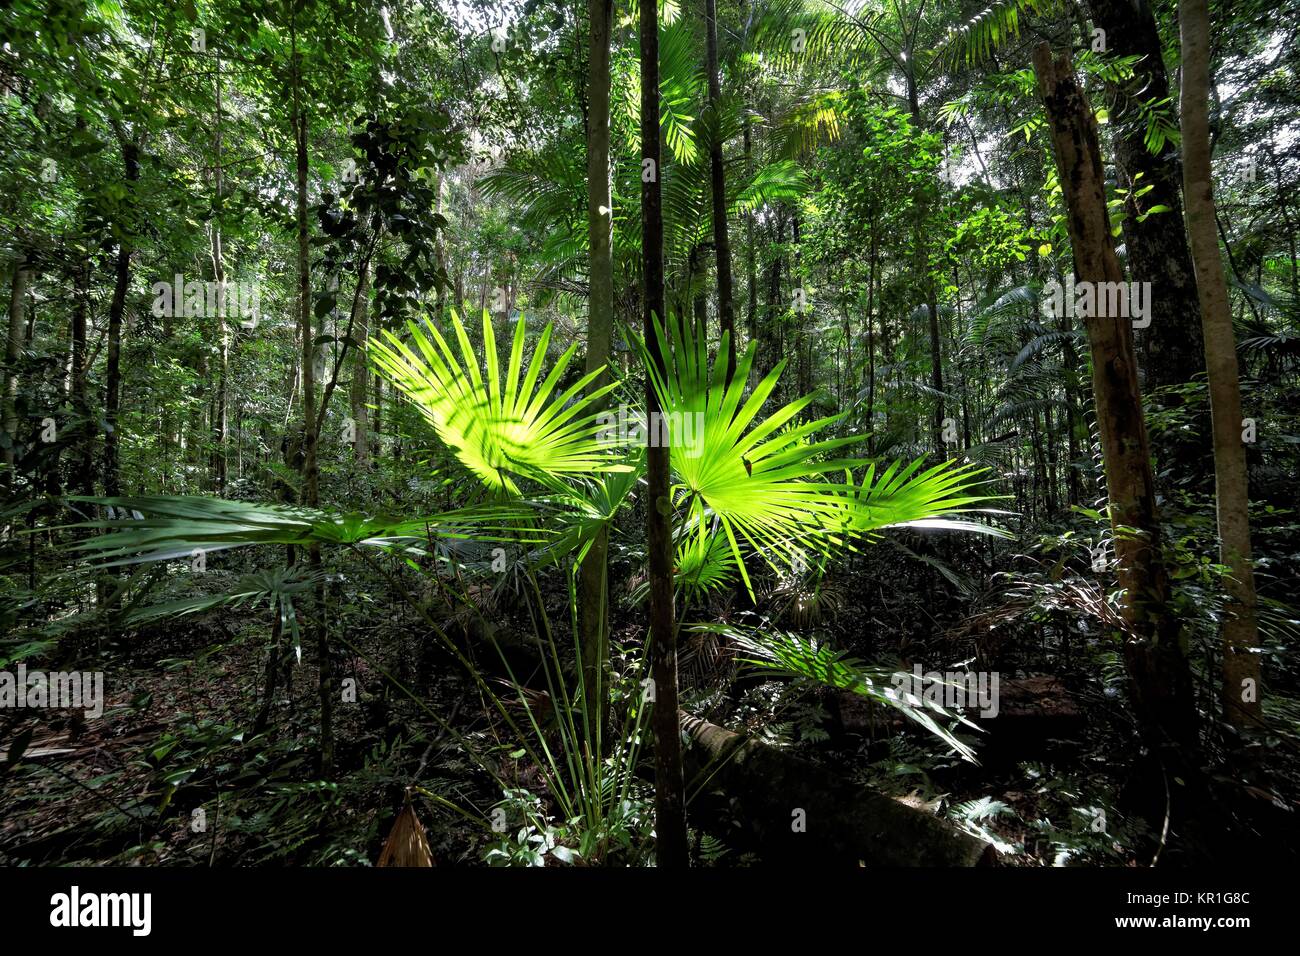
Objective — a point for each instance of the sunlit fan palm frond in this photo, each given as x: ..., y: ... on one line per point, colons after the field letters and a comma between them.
x: 498, y: 426
x: 908, y: 497
x: 748, y: 476
x: 769, y: 486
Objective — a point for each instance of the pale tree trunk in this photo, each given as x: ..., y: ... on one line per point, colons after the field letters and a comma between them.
x: 13, y: 350
x: 360, y: 386
x: 670, y: 787
x: 1153, y: 656
x: 721, y: 241
x: 221, y: 416
x: 116, y: 312
x: 593, y: 575
x: 310, y: 469
x: 1241, y: 670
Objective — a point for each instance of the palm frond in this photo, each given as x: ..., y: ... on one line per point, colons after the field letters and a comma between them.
x: 498, y: 426
x: 186, y: 527
x: 974, y: 41
x: 793, y: 656
x: 767, y: 482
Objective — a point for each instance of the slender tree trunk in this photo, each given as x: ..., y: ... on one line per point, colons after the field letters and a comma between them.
x: 770, y: 332
x: 13, y: 351
x: 84, y: 479
x: 670, y: 787
x: 803, y: 384
x: 928, y: 284
x: 377, y: 429
x: 1157, y: 245
x: 221, y: 417
x: 871, y: 339
x: 1152, y: 652
x: 116, y: 312
x: 593, y: 575
x: 359, y: 389
x: 1241, y: 665
x: 751, y: 262
x: 721, y: 241
x: 310, y: 468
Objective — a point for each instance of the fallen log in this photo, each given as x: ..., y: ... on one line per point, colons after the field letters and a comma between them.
x: 800, y: 812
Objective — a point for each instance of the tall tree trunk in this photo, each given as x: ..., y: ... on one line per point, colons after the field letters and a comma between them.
x: 1157, y: 245
x: 116, y: 311
x: 928, y: 284
x: 377, y: 428
x: 803, y: 384
x: 221, y: 416
x: 359, y: 390
x: 670, y: 787
x: 310, y: 467
x: 13, y: 351
x: 593, y: 575
x: 721, y: 241
x: 751, y: 261
x: 1241, y: 670
x: 84, y: 478
x: 770, y: 332
x: 1160, y: 676
x: 871, y: 337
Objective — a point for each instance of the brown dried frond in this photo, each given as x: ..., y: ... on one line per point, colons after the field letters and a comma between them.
x: 407, y: 844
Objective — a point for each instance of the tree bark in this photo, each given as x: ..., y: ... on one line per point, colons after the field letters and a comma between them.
x: 359, y: 389
x: 13, y: 351
x: 84, y: 478
x: 751, y: 264
x: 310, y: 468
x: 221, y: 417
x: 1157, y: 667
x: 721, y: 240
x: 927, y: 280
x: 116, y: 311
x: 670, y: 796
x: 1157, y: 245
x: 1241, y: 663
x: 801, y: 812
x: 593, y: 575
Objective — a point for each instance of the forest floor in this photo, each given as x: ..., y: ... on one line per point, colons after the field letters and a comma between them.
x: 152, y: 783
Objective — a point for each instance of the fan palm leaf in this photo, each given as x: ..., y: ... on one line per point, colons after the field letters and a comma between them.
x: 499, y: 427
x: 765, y: 482
x: 175, y: 527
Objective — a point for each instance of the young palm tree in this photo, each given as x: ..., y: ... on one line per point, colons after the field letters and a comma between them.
x: 741, y: 492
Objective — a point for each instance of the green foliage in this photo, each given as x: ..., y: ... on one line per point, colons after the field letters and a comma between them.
x: 166, y: 528
x: 498, y: 426
x: 765, y: 482
x: 793, y: 656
